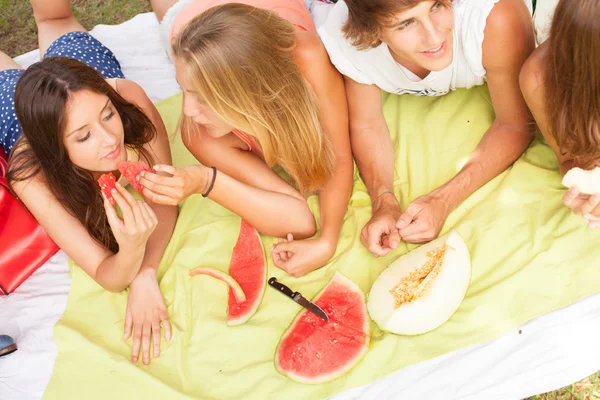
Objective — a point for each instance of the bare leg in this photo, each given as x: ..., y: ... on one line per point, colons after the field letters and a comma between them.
x: 7, y: 63
x: 54, y: 18
x: 160, y: 7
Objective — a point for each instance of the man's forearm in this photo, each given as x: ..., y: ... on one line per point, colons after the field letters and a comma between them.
x: 374, y: 154
x: 499, y: 148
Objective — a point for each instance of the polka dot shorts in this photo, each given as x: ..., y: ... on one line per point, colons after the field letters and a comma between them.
x: 78, y: 45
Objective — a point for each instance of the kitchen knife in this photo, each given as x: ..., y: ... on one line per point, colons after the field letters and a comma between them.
x: 298, y: 298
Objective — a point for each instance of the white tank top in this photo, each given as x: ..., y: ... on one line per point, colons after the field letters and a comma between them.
x: 377, y: 66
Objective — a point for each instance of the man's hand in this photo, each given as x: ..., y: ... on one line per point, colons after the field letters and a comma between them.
x: 423, y: 219
x: 380, y: 235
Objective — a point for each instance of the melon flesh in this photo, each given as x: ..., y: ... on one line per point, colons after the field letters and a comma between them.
x: 586, y: 181
x: 248, y: 267
x: 238, y: 293
x: 107, y: 183
x: 314, y: 351
x: 422, y: 289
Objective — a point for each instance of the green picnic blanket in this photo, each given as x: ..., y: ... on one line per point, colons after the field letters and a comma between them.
x: 530, y: 255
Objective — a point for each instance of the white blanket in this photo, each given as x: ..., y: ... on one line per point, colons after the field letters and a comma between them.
x: 547, y: 353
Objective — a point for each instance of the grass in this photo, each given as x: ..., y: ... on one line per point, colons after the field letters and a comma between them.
x: 18, y: 35
x: 586, y: 389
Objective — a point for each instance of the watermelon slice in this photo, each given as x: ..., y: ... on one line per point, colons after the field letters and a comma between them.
x: 315, y: 351
x: 107, y: 184
x: 131, y: 170
x: 238, y: 293
x: 248, y: 267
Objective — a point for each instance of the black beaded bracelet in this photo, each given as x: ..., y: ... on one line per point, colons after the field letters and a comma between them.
x: 212, y: 182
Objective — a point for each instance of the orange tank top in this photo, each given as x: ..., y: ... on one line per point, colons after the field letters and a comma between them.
x: 294, y: 11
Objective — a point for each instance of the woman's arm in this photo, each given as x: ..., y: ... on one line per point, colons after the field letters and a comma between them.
x: 160, y: 150
x: 112, y: 271
x: 328, y: 85
x: 300, y: 257
x: 247, y: 186
x: 146, y: 309
x: 531, y: 80
x: 532, y: 86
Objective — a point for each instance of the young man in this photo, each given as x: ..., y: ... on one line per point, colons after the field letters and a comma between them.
x: 428, y: 48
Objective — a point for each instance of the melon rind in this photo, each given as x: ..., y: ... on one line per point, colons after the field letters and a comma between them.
x: 338, y: 278
x: 232, y: 283
x: 438, y: 302
x: 252, y: 310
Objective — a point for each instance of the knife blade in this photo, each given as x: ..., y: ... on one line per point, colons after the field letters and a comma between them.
x: 298, y: 298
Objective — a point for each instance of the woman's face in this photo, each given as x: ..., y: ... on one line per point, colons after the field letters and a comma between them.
x: 94, y: 135
x: 196, y: 109
x: 421, y: 38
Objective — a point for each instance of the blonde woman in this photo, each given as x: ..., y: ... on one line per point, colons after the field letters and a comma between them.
x: 259, y: 91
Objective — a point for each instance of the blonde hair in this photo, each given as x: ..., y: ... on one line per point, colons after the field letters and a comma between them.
x: 240, y: 61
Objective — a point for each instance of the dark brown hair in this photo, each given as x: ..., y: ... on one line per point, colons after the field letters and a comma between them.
x: 41, y: 95
x: 366, y: 18
x: 572, y: 80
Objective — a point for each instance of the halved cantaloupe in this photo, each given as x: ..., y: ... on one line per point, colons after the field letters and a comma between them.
x: 422, y: 289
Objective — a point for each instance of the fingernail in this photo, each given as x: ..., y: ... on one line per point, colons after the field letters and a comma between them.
x: 272, y: 247
x: 113, y: 191
x: 146, y: 361
x: 156, y: 354
x: 587, y: 216
x: 155, y: 167
x: 134, y: 359
x: 117, y: 184
x: 401, y: 223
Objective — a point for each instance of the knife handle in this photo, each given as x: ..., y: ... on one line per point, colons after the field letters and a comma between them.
x: 281, y: 287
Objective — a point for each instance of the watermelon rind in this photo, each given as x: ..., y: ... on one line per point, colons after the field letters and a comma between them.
x: 243, y: 318
x: 238, y: 292
x: 342, y: 369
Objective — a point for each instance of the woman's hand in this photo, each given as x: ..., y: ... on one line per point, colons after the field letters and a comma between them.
x: 584, y: 204
x: 299, y: 257
x: 173, y: 189
x: 138, y: 223
x: 146, y: 310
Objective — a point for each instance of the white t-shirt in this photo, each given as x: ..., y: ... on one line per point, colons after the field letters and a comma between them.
x: 377, y: 66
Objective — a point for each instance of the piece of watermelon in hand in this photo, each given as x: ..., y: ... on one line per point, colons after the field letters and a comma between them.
x: 107, y: 183
x: 131, y: 170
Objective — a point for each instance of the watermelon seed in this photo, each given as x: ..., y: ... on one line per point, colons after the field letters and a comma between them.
x: 318, y: 355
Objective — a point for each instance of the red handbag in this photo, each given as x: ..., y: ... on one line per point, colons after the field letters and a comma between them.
x: 24, y: 245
